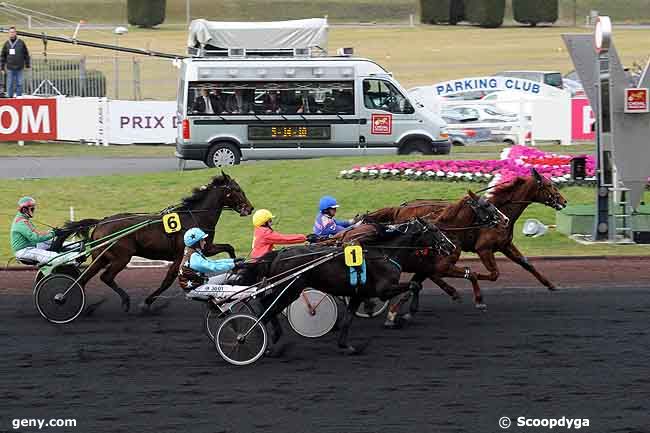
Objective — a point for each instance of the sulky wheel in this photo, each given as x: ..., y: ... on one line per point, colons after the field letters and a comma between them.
x: 70, y: 270
x: 240, y: 340
x: 313, y: 314
x: 59, y: 299
x: 214, y: 317
x: 369, y: 308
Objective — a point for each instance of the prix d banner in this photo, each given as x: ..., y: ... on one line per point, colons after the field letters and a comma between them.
x: 582, y: 120
x: 132, y: 122
x: 28, y: 119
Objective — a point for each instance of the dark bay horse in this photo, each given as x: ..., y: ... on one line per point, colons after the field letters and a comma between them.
x: 202, y: 209
x: 512, y: 198
x: 456, y: 220
x: 384, y: 251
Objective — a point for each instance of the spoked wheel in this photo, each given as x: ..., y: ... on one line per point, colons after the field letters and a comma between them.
x: 59, y: 299
x: 369, y: 308
x: 214, y: 317
x: 240, y: 341
x: 313, y: 314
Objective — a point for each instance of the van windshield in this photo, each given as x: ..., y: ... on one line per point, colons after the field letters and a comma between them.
x: 282, y: 97
x: 382, y: 95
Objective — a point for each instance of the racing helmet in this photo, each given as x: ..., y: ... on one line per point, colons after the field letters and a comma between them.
x: 261, y: 217
x: 26, y: 202
x: 327, y: 202
x: 193, y: 236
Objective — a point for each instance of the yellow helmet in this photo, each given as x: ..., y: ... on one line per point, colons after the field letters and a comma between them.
x: 261, y: 217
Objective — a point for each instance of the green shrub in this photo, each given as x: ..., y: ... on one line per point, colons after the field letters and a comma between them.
x: 146, y: 13
x: 457, y: 11
x: 486, y: 13
x: 535, y: 11
x: 434, y: 11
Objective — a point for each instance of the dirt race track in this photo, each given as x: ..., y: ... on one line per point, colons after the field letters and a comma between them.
x: 579, y: 353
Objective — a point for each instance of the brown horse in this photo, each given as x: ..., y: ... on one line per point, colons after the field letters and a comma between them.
x: 512, y: 199
x: 453, y: 219
x: 202, y: 209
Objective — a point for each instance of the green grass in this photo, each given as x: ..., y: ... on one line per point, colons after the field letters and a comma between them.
x: 114, y: 11
x: 44, y: 149
x: 291, y: 189
x: 31, y: 149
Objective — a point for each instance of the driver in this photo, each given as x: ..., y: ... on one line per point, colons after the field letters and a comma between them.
x: 27, y: 242
x: 325, y: 224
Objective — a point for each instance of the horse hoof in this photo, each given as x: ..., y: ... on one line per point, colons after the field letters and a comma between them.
x: 392, y: 324
x: 481, y: 306
x: 277, y: 350
x: 90, y: 309
x: 408, y: 317
x: 457, y: 299
x: 126, y: 305
x: 554, y: 289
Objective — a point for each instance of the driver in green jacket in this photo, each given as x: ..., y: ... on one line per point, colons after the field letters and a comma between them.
x: 27, y: 242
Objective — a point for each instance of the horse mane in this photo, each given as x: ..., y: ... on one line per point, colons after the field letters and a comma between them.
x: 450, y: 211
x: 198, y: 194
x: 506, y: 190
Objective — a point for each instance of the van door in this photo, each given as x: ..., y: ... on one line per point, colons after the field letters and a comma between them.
x: 385, y: 115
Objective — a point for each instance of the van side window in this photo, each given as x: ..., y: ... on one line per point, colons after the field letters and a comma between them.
x: 305, y: 98
x: 382, y: 95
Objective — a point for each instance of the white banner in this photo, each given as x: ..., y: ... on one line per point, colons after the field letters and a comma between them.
x: 131, y: 122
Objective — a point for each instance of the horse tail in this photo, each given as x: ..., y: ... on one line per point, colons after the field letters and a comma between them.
x: 81, y: 228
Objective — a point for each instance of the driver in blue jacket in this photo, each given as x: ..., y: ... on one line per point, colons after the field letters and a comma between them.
x: 326, y: 225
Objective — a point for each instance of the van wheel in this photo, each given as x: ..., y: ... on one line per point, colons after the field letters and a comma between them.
x: 458, y: 143
x: 222, y: 154
x: 416, y: 147
x: 508, y: 142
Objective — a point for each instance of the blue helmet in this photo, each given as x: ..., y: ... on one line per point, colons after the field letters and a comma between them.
x: 193, y: 236
x: 327, y: 202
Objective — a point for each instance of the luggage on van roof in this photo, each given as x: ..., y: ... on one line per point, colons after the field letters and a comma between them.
x: 260, y: 37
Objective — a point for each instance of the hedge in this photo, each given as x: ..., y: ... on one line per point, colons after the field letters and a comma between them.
x: 146, y: 13
x: 535, y: 11
x: 486, y: 13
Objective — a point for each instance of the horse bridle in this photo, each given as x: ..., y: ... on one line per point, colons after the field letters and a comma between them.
x: 549, y: 198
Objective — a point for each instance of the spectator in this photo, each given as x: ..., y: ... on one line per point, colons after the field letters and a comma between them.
x: 13, y: 60
x: 271, y: 102
x: 307, y: 103
x: 207, y: 103
x: 240, y: 103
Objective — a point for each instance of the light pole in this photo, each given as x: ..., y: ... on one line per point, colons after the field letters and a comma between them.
x: 187, y: 12
x: 118, y: 31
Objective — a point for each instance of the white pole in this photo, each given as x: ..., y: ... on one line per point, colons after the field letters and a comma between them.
x: 187, y: 12
x: 71, y: 213
x: 116, y: 65
x: 29, y: 21
x: 411, y: 20
x: 21, y: 143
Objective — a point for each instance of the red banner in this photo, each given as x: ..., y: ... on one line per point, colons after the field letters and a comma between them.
x: 582, y: 120
x: 28, y: 119
x: 381, y: 124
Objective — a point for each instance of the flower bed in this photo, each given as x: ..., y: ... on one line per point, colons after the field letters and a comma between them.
x: 514, y: 161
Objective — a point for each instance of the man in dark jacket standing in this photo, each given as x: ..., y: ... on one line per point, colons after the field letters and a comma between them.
x: 13, y: 60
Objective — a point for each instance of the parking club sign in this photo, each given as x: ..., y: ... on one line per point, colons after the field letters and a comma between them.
x: 382, y: 124
x: 636, y: 100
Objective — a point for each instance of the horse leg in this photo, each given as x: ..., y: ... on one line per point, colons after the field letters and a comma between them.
x: 466, y: 273
x: 108, y: 277
x: 353, y: 305
x: 172, y: 272
x: 214, y: 249
x: 513, y: 253
x: 88, y: 274
x: 417, y: 279
x: 488, y: 260
x: 447, y: 288
x: 394, y: 306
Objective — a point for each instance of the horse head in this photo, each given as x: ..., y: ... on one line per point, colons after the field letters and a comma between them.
x: 434, y: 237
x: 486, y: 213
x: 547, y: 193
x: 234, y: 197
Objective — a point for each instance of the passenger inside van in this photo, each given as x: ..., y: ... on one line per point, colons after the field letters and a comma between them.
x: 308, y: 104
x: 240, y: 103
x: 271, y: 102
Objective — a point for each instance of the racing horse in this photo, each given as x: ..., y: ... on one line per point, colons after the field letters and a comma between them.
x: 456, y: 220
x: 512, y: 198
x: 385, y: 248
x: 201, y: 209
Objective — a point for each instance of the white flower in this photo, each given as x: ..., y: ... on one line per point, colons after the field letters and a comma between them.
x: 408, y: 171
x: 394, y: 171
x: 363, y: 170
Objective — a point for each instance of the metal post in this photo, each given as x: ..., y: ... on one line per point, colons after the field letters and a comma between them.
x: 82, y: 77
x: 411, y: 20
x: 187, y: 12
x: 116, y: 75
x: 29, y: 21
x: 137, y: 91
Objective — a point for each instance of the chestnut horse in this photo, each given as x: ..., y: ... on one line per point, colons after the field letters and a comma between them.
x: 202, y: 209
x: 512, y: 198
x: 455, y: 220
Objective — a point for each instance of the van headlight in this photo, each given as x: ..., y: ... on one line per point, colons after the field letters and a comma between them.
x: 443, y: 133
